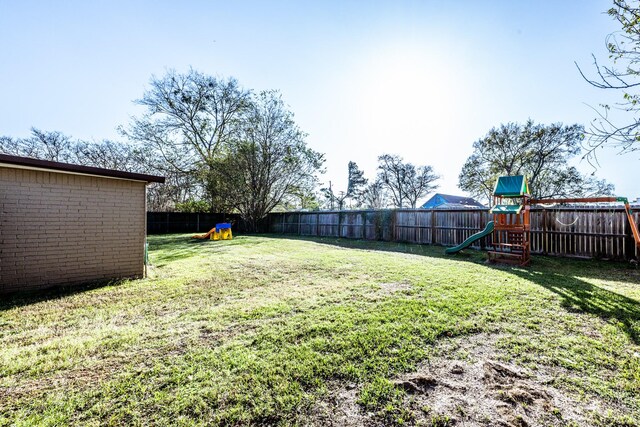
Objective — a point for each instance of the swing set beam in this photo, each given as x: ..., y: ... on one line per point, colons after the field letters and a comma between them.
x: 627, y: 209
x: 580, y: 200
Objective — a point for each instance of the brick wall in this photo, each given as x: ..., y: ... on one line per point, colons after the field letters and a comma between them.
x: 59, y: 228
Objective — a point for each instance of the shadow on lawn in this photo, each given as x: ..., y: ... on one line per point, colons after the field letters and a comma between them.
x: 177, y: 246
x: 172, y: 247
x: 578, y: 295
x: 561, y: 276
x: 21, y: 299
x: 377, y: 245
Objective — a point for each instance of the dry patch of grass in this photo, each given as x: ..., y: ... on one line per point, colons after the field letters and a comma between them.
x: 263, y: 330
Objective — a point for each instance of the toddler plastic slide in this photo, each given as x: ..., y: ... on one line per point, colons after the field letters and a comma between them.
x: 488, y: 229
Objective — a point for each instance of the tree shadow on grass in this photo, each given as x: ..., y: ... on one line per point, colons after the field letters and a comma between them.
x: 376, y: 245
x: 167, y: 248
x: 562, y: 276
x: 581, y: 296
x: 173, y: 247
x: 589, y: 268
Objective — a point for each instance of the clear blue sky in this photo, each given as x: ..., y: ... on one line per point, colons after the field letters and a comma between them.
x: 422, y: 79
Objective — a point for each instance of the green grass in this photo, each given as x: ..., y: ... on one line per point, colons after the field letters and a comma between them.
x: 257, y: 329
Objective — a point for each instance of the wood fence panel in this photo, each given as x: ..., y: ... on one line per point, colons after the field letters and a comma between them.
x: 308, y: 225
x: 372, y: 225
x: 452, y: 227
x: 424, y: 219
x: 405, y: 226
x: 579, y: 232
x: 351, y: 225
x: 583, y: 232
x: 328, y: 224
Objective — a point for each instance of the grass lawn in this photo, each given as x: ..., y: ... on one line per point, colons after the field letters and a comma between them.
x: 273, y: 331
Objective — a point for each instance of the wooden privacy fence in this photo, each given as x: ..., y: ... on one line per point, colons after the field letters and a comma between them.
x: 582, y: 232
x: 187, y: 222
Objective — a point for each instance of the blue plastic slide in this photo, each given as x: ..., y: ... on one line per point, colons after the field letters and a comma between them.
x: 487, y: 230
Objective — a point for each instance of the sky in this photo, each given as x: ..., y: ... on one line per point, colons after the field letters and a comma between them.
x: 420, y: 79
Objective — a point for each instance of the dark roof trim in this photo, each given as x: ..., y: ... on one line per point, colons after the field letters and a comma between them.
x: 458, y: 206
x: 459, y: 199
x: 84, y: 170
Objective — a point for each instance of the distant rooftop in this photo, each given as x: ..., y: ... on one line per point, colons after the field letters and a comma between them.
x: 447, y: 201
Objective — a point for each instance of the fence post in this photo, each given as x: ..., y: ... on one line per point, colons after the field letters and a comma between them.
x: 318, y: 224
x: 545, y: 245
x: 392, y: 232
x: 433, y: 226
x: 299, y: 223
x: 364, y: 225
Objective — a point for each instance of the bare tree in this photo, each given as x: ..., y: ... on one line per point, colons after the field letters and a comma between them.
x: 624, y: 51
x: 391, y: 173
x: 405, y: 182
x: 269, y: 161
x: 53, y: 146
x: 190, y: 120
x: 374, y: 196
x: 420, y: 182
x: 109, y: 155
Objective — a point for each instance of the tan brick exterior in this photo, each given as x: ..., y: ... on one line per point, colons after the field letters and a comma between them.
x: 60, y: 228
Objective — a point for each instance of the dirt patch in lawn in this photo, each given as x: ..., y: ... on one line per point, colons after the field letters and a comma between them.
x: 466, y: 384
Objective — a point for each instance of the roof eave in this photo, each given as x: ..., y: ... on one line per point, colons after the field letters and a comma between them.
x: 27, y: 162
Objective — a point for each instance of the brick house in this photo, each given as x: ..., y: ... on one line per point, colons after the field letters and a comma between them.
x: 66, y: 224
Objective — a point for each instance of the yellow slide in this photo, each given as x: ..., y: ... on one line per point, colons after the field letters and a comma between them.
x: 206, y: 235
x: 221, y: 231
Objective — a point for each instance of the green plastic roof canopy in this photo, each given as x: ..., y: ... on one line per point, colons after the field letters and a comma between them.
x: 511, y: 186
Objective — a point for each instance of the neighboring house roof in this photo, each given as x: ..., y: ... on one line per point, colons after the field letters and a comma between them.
x: 29, y: 163
x: 447, y: 201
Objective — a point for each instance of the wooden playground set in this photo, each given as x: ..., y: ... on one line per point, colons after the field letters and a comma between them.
x: 510, y: 228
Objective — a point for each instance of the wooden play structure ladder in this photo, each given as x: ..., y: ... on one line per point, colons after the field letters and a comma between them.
x: 512, y: 227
